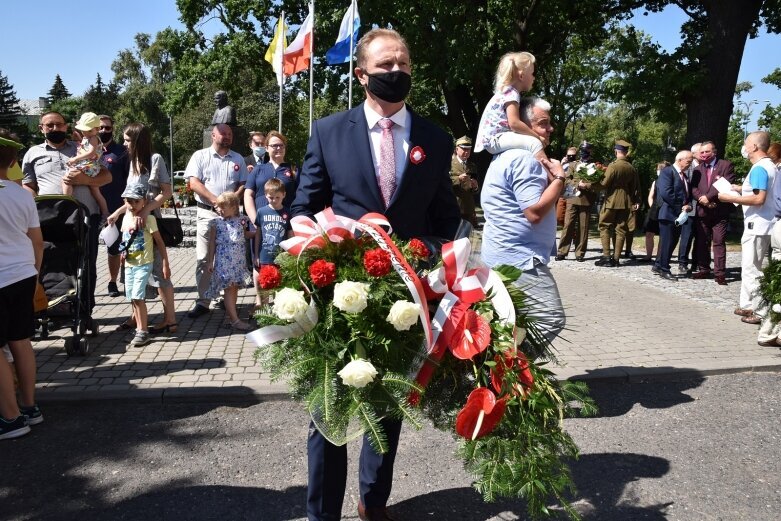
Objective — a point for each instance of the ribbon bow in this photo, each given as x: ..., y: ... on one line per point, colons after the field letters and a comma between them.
x: 327, y: 226
x: 459, y: 288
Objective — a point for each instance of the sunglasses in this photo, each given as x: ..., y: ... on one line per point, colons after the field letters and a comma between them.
x: 103, y: 127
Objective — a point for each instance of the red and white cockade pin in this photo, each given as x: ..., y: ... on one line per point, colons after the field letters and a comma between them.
x: 235, y: 167
x: 417, y: 156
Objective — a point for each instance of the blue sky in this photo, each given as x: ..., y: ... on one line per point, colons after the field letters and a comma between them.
x: 38, y: 46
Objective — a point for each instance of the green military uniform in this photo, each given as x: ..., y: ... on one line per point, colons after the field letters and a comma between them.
x: 464, y: 190
x: 622, y: 186
x: 578, y: 213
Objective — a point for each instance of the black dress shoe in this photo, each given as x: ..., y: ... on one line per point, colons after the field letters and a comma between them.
x: 113, y: 290
x: 605, y: 262
x: 560, y: 257
x: 667, y: 276
x: 655, y: 270
x: 580, y: 259
x: 197, y: 311
x: 373, y: 513
x: 702, y: 274
x: 630, y: 256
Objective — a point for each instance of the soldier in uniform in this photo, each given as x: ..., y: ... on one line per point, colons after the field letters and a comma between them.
x: 578, y: 212
x: 463, y: 176
x: 622, y: 186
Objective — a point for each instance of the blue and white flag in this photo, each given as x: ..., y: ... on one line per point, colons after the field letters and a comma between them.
x: 341, y: 52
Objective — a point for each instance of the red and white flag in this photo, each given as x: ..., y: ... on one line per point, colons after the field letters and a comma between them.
x: 299, y: 53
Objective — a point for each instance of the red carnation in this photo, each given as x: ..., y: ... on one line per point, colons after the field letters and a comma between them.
x: 322, y: 272
x: 418, y: 249
x: 377, y: 262
x: 269, y: 277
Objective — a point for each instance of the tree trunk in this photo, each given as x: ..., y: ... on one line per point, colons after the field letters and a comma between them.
x: 708, y: 110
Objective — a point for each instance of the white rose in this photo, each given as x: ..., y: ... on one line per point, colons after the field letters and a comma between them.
x: 358, y: 373
x: 403, y: 315
x: 290, y: 304
x: 350, y: 296
x: 776, y: 308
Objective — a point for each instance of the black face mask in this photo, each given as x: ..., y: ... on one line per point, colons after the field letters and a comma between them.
x: 56, y: 136
x: 105, y: 137
x: 392, y: 86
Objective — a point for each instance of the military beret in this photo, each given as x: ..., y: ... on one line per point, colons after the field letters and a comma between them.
x: 464, y: 142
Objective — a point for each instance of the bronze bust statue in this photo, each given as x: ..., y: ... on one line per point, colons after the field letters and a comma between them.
x: 224, y: 113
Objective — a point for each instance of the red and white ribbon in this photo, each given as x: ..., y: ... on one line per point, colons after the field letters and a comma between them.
x: 307, y: 233
x: 270, y: 334
x: 458, y: 289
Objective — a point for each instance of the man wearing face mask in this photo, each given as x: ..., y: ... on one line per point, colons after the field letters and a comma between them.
x: 759, y: 215
x: 45, y: 167
x: 257, y: 144
x: 210, y: 172
x: 115, y: 159
x: 378, y: 157
x: 578, y: 213
x: 712, y: 214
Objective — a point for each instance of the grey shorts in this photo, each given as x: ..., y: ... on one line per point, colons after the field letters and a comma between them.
x: 156, y: 279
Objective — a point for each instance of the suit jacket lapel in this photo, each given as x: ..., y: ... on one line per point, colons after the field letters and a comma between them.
x: 362, y: 153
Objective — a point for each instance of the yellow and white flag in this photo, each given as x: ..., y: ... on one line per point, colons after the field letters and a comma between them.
x: 276, y: 50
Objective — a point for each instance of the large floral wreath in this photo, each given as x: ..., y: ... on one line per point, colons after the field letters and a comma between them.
x: 351, y: 332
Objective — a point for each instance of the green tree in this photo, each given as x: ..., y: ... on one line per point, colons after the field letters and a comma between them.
x: 101, y: 98
x: 770, y: 118
x: 58, y: 91
x: 9, y: 105
x: 702, y: 73
x: 139, y: 77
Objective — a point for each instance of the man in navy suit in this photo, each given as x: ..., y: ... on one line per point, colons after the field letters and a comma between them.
x: 674, y: 191
x: 377, y: 157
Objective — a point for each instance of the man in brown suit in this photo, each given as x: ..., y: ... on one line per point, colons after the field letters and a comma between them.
x: 712, y: 215
x: 462, y: 175
x: 578, y: 211
x: 622, y: 186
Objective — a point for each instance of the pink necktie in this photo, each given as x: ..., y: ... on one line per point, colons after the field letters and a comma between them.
x: 387, y: 179
x: 709, y: 172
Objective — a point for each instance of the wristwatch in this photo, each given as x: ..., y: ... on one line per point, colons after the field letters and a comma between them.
x: 560, y: 178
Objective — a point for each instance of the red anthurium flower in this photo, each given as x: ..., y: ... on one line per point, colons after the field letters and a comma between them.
x: 269, y: 277
x: 524, y: 373
x: 419, y: 249
x: 322, y: 272
x: 506, y: 363
x: 480, y: 414
x: 377, y: 262
x: 471, y: 337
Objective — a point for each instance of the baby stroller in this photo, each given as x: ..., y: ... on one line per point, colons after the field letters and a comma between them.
x: 65, y: 270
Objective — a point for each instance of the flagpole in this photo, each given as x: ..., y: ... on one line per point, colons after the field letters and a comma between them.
x: 282, y: 69
x: 311, y: 65
x: 350, y: 70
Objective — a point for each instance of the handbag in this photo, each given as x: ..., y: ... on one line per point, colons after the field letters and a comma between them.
x: 170, y: 228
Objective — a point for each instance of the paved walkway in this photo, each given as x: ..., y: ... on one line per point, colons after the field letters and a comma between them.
x: 622, y: 323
